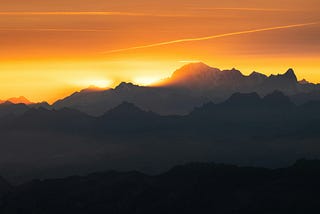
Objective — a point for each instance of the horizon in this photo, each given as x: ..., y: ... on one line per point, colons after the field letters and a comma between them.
x: 51, y: 49
x: 99, y: 86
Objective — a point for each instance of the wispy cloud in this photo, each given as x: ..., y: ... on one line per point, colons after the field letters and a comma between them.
x: 56, y: 29
x: 243, y: 9
x: 211, y: 37
x: 90, y: 13
x: 71, y: 13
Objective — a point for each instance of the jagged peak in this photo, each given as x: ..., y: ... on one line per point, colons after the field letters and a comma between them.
x: 233, y: 71
x: 290, y: 71
x: 126, y: 85
x: 93, y: 88
x: 257, y: 74
x: 290, y: 74
x: 304, y: 82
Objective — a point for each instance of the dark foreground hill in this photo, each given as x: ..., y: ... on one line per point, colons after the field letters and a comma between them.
x: 191, y: 188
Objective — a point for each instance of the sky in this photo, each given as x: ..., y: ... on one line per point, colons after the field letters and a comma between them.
x: 49, y: 49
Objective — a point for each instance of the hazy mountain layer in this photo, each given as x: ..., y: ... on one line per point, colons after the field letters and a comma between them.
x: 245, y: 129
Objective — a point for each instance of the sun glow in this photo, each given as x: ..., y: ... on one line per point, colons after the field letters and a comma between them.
x: 146, y: 81
x: 49, y: 51
x: 100, y: 83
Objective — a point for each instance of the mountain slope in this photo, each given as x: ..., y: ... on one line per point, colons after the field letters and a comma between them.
x: 160, y: 100
x: 9, y: 109
x: 198, y: 76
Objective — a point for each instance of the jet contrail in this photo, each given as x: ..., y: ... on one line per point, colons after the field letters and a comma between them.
x: 210, y: 37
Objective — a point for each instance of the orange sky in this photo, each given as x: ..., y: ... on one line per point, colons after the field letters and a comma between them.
x: 48, y: 48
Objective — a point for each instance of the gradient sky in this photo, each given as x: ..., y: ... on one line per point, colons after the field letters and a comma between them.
x: 49, y: 49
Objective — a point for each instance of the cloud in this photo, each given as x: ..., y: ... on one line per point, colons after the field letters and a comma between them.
x: 243, y: 9
x: 89, y: 13
x: 71, y: 13
x: 211, y: 37
x: 56, y: 29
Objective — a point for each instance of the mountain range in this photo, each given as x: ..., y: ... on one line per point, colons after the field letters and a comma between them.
x: 188, y: 87
x: 154, y: 128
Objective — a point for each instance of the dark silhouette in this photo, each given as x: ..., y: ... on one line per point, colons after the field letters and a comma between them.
x: 190, y: 188
x: 244, y: 129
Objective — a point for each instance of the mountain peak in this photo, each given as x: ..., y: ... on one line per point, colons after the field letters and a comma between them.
x: 193, y: 69
x: 125, y: 86
x: 255, y: 74
x: 18, y: 100
x: 290, y: 74
x: 196, y: 65
x: 233, y: 71
x: 304, y: 82
x: 127, y: 110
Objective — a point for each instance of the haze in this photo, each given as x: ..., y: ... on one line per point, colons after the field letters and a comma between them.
x: 52, y: 48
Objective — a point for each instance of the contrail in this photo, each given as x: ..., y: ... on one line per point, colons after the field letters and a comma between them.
x: 211, y: 37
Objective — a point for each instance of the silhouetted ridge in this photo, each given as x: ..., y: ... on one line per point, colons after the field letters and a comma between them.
x: 190, y: 86
x: 65, y: 120
x: 311, y: 165
x: 258, y: 75
x: 126, y: 86
x: 127, y: 110
x: 244, y: 99
x: 190, y: 188
x: 8, y: 108
x: 278, y: 99
x: 291, y: 75
x: 304, y: 82
x: 233, y: 72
